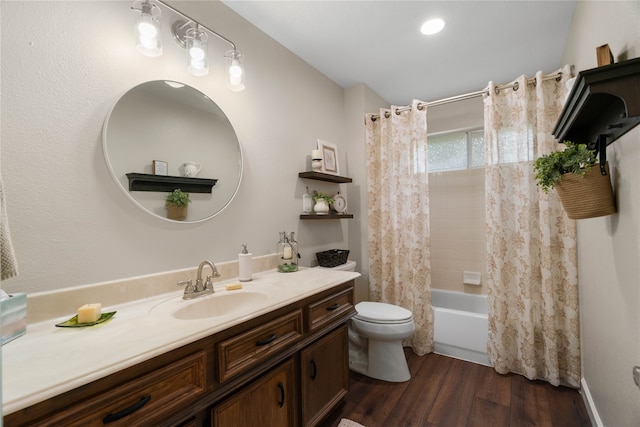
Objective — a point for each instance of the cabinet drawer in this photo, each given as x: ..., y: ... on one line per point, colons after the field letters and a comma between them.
x: 249, y: 348
x: 144, y: 401
x: 323, y: 312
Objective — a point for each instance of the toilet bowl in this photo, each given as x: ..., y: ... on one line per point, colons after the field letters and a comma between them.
x: 375, y: 341
x: 376, y: 333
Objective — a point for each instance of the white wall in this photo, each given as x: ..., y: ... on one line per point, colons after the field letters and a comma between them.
x: 609, y: 247
x: 65, y: 64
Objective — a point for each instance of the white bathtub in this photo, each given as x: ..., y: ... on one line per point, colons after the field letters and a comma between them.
x: 461, y: 327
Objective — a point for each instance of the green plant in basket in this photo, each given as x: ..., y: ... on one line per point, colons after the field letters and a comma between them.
x: 178, y: 198
x: 575, y: 158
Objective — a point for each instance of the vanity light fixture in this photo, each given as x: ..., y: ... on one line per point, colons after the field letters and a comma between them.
x: 147, y: 28
x: 192, y: 36
x: 235, y: 70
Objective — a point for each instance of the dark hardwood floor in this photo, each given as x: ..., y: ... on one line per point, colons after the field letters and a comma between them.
x: 447, y: 392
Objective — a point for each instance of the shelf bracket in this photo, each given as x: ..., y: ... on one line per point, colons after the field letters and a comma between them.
x: 602, y: 152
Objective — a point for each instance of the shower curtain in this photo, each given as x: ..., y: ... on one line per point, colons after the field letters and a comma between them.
x: 531, y: 244
x: 398, y: 211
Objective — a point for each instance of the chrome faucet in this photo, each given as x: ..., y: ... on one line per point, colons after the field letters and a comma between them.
x: 192, y: 291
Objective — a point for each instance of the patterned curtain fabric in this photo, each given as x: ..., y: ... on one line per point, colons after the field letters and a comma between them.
x: 531, y: 244
x: 398, y: 207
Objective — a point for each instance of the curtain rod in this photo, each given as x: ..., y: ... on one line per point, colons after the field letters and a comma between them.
x: 469, y: 95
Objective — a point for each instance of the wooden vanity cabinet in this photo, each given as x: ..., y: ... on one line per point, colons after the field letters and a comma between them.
x: 268, y: 401
x: 149, y: 393
x: 288, y: 367
x: 324, y: 376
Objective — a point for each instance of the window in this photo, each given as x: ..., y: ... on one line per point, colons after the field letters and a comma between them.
x: 456, y: 150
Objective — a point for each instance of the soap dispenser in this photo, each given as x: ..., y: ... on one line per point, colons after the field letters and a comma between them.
x: 244, y: 264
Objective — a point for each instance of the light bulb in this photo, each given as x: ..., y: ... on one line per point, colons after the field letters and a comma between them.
x: 196, y: 52
x: 146, y: 28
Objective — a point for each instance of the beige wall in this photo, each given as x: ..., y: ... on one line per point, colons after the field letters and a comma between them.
x: 65, y: 64
x: 458, y: 236
x: 456, y: 206
x: 609, y: 247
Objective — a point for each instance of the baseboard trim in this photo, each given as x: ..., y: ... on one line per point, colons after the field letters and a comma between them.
x: 588, y: 402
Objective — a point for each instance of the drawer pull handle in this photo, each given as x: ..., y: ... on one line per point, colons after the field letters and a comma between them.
x: 333, y: 307
x: 281, y: 401
x: 109, y: 418
x: 314, y: 370
x: 267, y: 340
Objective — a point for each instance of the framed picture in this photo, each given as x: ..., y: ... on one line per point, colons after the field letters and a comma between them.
x: 329, y: 157
x: 160, y: 167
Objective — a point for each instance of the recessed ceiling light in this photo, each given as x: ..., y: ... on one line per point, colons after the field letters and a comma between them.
x: 432, y: 26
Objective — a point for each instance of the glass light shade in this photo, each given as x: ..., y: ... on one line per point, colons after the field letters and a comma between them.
x: 147, y: 29
x: 197, y: 54
x: 235, y: 70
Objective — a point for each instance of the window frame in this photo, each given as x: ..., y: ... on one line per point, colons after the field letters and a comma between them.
x: 467, y: 131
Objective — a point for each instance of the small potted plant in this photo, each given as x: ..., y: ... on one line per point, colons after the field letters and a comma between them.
x: 177, y: 203
x: 323, y: 201
x: 584, y: 191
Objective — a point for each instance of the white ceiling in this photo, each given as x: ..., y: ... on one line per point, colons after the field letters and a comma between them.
x: 379, y: 43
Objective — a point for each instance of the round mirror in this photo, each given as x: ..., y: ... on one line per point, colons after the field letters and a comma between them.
x: 164, y: 135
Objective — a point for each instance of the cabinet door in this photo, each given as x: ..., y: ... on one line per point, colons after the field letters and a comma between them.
x: 269, y: 401
x: 325, y: 376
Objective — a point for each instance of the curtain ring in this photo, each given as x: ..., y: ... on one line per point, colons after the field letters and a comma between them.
x: 516, y: 86
x: 387, y: 114
x: 398, y: 112
x: 420, y: 106
x: 373, y: 118
x: 496, y: 89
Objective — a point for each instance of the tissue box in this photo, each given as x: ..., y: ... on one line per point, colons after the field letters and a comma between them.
x: 13, y: 317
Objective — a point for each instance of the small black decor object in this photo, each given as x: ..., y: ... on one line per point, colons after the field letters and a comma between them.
x: 332, y: 257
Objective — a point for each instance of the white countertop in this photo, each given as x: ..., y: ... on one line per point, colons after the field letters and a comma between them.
x: 49, y: 360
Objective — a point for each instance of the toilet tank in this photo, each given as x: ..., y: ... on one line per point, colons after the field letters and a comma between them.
x: 347, y: 266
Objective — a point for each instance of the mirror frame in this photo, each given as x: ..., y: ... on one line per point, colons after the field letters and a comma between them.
x: 125, y: 189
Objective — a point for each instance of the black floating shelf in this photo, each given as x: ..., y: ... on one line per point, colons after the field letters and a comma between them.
x: 603, y: 101
x: 329, y: 216
x: 166, y: 184
x: 319, y: 176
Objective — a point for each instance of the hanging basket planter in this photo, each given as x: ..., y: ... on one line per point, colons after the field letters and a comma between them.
x: 587, y: 196
x: 584, y: 187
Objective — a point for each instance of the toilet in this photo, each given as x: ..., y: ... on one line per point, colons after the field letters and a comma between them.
x: 376, y: 333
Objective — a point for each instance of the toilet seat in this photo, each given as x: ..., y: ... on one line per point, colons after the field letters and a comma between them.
x: 382, y: 313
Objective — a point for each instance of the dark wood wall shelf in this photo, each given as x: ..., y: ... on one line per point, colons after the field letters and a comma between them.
x: 604, y: 102
x: 319, y: 176
x: 328, y: 216
x: 166, y: 184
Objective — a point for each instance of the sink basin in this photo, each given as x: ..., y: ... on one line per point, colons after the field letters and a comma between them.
x: 221, y: 303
